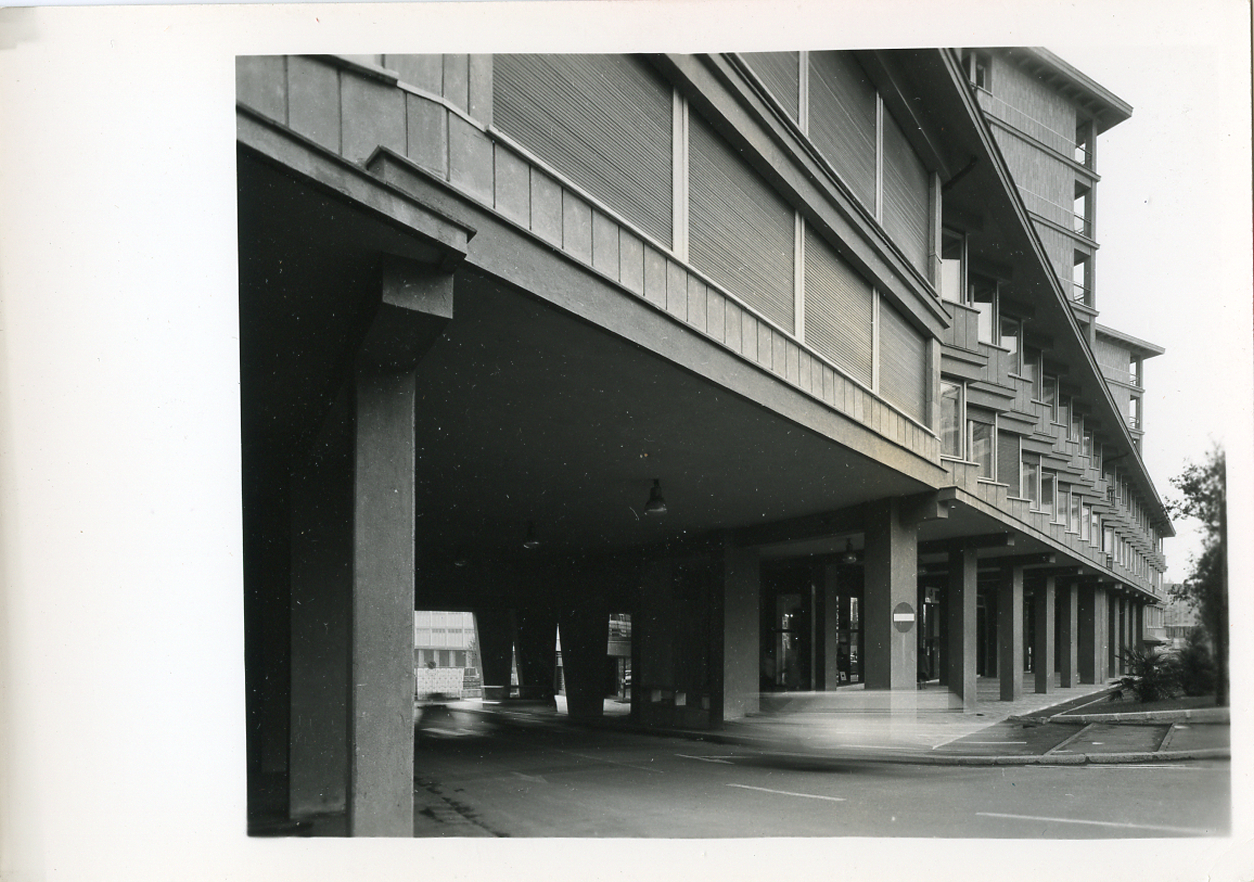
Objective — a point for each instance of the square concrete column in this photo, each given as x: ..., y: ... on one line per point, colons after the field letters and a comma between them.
x: 960, y: 637
x: 1101, y: 603
x: 831, y: 626
x: 891, y: 592
x: 1068, y: 631
x: 322, y: 588
x: 381, y: 727
x: 737, y: 635
x: 1138, y: 624
x: 1043, y: 639
x: 1010, y: 633
x: 494, y: 628
x: 416, y: 302
x: 1089, y: 635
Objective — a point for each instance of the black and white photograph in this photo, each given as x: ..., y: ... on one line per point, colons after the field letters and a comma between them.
x: 592, y: 439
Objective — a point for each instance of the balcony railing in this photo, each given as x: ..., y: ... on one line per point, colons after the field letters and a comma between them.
x: 1081, y: 293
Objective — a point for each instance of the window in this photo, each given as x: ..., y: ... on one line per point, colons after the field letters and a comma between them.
x: 1083, y: 206
x: 983, y: 299
x: 1031, y: 489
x: 951, y: 418
x: 1049, y: 483
x: 1049, y: 397
x: 1086, y: 522
x: 1063, y: 415
x: 979, y: 66
x: 1095, y: 527
x: 980, y: 426
x: 1086, y: 444
x: 1082, y: 279
x: 1077, y: 426
x: 1084, y: 142
x: 1011, y: 341
x: 1074, y: 514
x: 1031, y: 371
x: 953, y: 250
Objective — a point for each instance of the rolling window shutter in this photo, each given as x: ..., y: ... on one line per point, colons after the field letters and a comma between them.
x: 1008, y: 461
x: 903, y: 357
x: 779, y: 71
x: 740, y: 230
x: 838, y: 313
x: 842, y: 120
x: 905, y: 196
x: 603, y: 121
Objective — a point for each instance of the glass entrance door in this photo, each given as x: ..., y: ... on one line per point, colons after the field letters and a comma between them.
x: 787, y: 651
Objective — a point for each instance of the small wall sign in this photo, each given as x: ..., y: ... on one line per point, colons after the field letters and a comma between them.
x: 903, y: 617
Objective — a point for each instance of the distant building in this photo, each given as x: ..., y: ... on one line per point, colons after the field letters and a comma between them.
x: 1179, y: 620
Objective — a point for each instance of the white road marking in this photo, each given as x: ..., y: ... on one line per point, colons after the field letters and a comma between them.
x: 1186, y: 830
x: 601, y: 759
x: 708, y: 759
x: 788, y: 792
x: 994, y: 742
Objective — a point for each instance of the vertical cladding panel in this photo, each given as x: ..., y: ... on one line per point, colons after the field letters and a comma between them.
x: 903, y: 363
x: 715, y: 307
x: 741, y: 233
x: 605, y: 245
x: 372, y: 115
x: 576, y: 226
x: 1036, y: 99
x: 1060, y: 248
x: 546, y: 207
x: 838, y: 313
x: 676, y: 290
x: 457, y: 81
x: 842, y: 120
x: 313, y: 101
x: 513, y: 185
x: 631, y: 262
x: 261, y: 83
x: 696, y: 302
x: 425, y: 72
x: 604, y: 121
x: 427, y: 145
x: 1041, y: 174
x: 470, y: 159
x: 654, y: 276
x: 780, y: 72
x: 906, y: 196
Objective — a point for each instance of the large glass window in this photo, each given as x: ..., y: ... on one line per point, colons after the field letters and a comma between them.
x: 951, y: 418
x: 981, y: 443
x: 1012, y: 341
x: 1073, y: 517
x: 1031, y: 489
x: 953, y: 248
x: 1049, y: 396
x: 1031, y: 370
x: 984, y: 300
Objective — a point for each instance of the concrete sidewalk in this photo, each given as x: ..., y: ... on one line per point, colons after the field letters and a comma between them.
x: 852, y: 723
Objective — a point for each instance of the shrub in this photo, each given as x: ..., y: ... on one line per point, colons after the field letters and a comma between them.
x: 1196, y: 665
x: 1152, y: 675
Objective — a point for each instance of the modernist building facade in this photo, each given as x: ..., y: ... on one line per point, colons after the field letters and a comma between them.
x: 838, y: 309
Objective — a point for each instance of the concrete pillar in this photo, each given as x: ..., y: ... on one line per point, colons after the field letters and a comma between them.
x: 415, y: 305
x: 535, y: 644
x: 891, y: 589
x: 381, y: 678
x: 990, y: 633
x: 1101, y: 603
x: 1043, y: 650
x: 1068, y: 632
x: 584, y: 624
x: 960, y: 637
x: 1089, y: 635
x: 736, y: 630
x: 831, y: 626
x: 1010, y: 632
x: 1138, y: 624
x: 495, y: 635
x: 322, y: 587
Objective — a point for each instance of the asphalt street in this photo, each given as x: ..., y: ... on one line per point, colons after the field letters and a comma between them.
x: 542, y: 781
